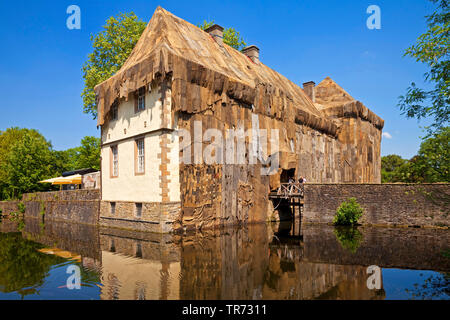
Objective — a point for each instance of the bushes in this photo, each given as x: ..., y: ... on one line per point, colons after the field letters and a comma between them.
x: 348, y: 213
x: 21, y: 207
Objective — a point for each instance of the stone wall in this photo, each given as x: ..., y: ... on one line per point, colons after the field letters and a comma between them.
x: 384, y: 204
x: 80, y: 206
x: 155, y: 216
x: 66, y: 195
x: 74, y: 237
x: 7, y: 207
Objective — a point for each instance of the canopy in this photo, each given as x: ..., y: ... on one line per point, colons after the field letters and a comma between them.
x: 75, y: 179
x: 49, y: 180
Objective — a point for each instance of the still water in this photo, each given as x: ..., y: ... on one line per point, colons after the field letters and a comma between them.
x: 275, y: 261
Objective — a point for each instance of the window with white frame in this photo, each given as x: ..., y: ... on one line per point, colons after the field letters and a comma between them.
x: 115, y: 161
x: 140, y: 156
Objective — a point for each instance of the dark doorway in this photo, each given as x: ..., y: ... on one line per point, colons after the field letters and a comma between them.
x: 286, y: 175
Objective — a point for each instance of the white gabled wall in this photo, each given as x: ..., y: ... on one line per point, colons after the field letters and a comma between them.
x: 128, y: 186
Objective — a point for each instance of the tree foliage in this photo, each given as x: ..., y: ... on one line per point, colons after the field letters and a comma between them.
x: 432, y: 49
x: 348, y: 213
x: 431, y: 164
x: 87, y: 155
x: 112, y: 46
x: 26, y: 158
x: 390, y: 168
x: 231, y: 37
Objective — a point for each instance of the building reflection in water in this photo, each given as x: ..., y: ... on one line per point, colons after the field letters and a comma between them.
x: 246, y: 263
x: 279, y: 261
x: 146, y: 267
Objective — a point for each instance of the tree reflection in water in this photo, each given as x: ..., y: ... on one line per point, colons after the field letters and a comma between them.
x: 22, y: 267
x: 434, y: 286
x: 350, y: 238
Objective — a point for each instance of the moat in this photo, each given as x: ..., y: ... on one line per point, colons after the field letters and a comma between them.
x: 285, y: 261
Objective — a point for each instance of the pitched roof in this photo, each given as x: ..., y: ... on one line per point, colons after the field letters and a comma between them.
x: 329, y: 94
x: 335, y: 102
x: 171, y: 45
x: 179, y: 37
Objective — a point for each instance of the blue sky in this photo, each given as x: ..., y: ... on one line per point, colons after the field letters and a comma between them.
x: 40, y: 61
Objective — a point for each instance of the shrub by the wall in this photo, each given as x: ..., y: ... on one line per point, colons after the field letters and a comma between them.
x: 348, y: 213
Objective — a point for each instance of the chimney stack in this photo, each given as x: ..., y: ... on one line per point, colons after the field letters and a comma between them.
x: 252, y: 52
x: 216, y: 32
x: 308, y: 87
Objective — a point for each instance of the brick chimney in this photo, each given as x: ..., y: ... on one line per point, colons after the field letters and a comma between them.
x: 216, y: 32
x: 308, y: 87
x: 252, y: 52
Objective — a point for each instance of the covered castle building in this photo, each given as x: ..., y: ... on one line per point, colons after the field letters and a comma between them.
x: 181, y: 79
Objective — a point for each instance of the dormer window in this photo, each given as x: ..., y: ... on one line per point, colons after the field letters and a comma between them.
x: 139, y: 103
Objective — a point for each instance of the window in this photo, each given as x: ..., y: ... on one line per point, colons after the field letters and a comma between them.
x: 139, y: 103
x: 115, y: 111
x: 138, y: 250
x: 112, y: 246
x: 114, y: 162
x: 140, y: 156
x: 113, y: 207
x: 138, y: 210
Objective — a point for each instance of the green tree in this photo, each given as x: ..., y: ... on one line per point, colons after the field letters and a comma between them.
x: 432, y: 49
x: 432, y: 163
x: 29, y: 160
x: 88, y: 154
x: 62, y: 162
x: 8, y: 142
x: 391, y: 168
x: 231, y: 37
x: 112, y: 46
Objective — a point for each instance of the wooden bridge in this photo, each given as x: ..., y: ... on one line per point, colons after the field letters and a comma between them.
x: 288, y: 191
x: 291, y: 194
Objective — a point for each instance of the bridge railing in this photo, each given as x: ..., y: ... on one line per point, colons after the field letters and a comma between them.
x: 293, y: 189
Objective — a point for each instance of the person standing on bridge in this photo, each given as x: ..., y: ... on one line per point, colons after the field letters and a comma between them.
x: 301, y: 182
x: 291, y: 184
